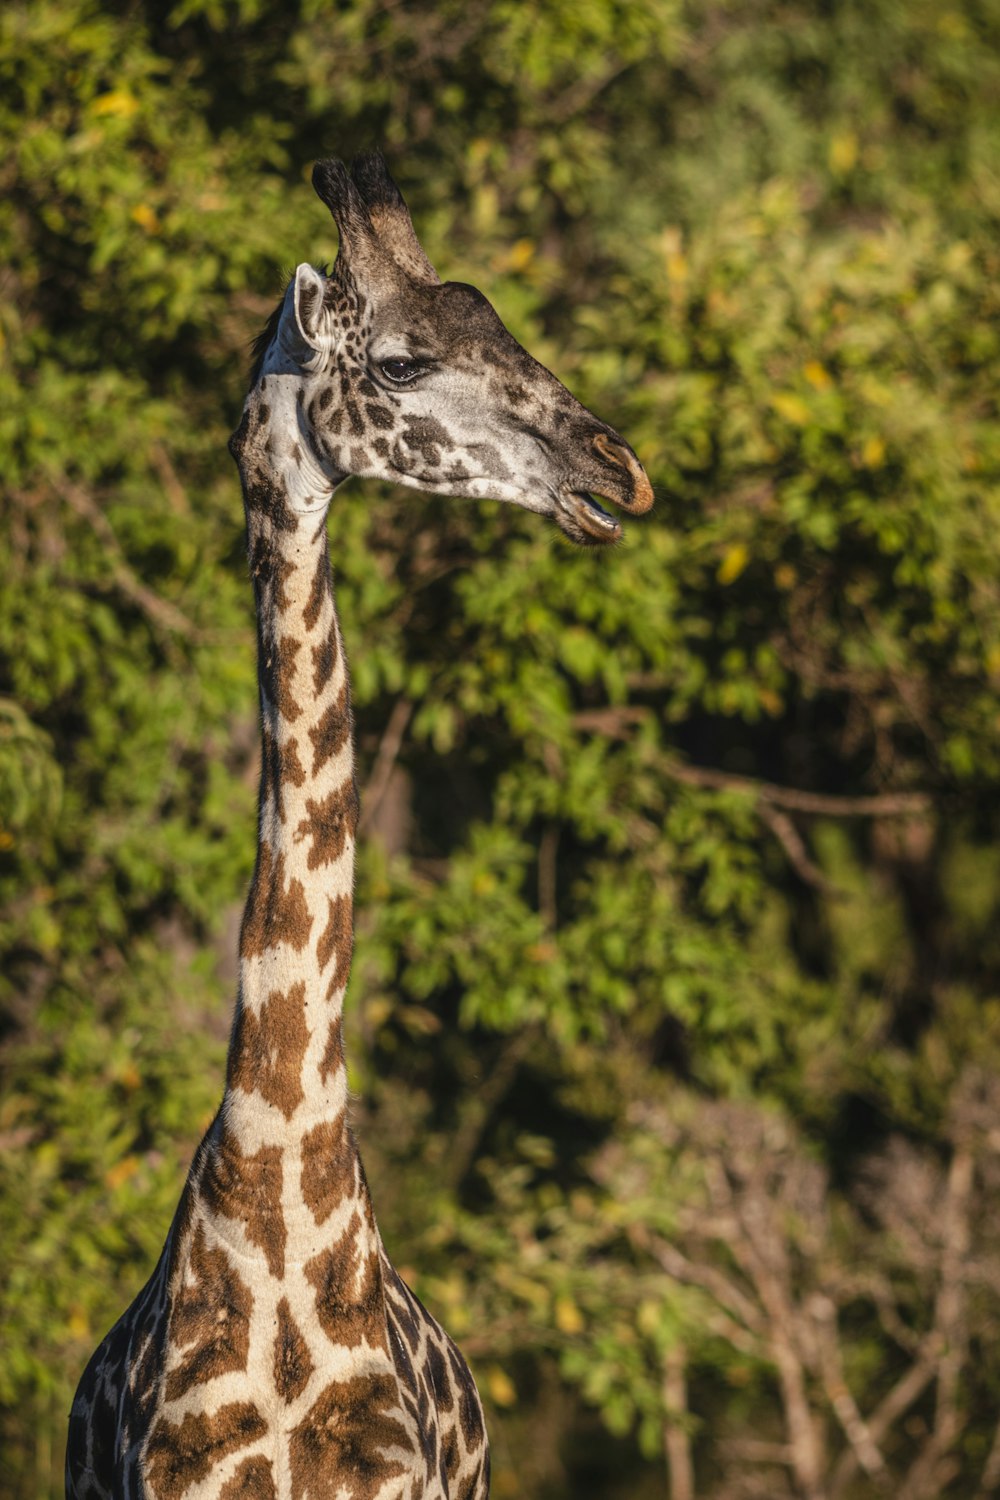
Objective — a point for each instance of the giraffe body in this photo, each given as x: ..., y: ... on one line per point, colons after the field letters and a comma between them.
x: 275, y: 1354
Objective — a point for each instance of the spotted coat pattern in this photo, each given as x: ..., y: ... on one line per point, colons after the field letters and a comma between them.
x: 275, y: 1354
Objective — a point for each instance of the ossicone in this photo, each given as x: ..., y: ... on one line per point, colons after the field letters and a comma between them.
x: 337, y: 189
x: 367, y: 196
x: 374, y: 182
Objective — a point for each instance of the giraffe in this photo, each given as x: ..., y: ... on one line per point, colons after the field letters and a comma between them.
x: 275, y: 1354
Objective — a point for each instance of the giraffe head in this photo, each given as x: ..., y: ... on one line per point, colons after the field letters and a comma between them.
x: 381, y: 370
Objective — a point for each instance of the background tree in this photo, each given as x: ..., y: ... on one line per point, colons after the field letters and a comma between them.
x: 674, y: 1017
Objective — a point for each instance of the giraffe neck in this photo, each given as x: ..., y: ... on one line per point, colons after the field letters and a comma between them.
x: 286, y: 1067
x: 280, y: 1156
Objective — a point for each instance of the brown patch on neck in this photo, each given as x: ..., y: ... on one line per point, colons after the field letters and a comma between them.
x: 337, y: 938
x: 248, y: 1189
x: 331, y: 733
x: 253, y: 1480
x: 330, y: 822
x: 292, y: 1361
x: 324, y: 657
x: 267, y: 517
x: 268, y: 1049
x: 329, y: 1173
x: 347, y: 1278
x: 145, y: 1375
x: 440, y: 1384
x: 280, y: 766
x: 470, y: 1411
x: 211, y: 1314
x: 321, y: 590
x: 278, y: 672
x: 180, y: 1455
x: 92, y: 1435
x: 403, y: 1305
x: 281, y: 571
x: 332, y: 1060
x: 339, y: 1447
x: 273, y: 914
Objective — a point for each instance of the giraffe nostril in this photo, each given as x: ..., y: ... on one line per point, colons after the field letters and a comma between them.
x: 611, y: 451
x: 621, y: 456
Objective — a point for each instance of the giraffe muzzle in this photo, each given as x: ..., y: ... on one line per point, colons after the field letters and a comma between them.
x: 628, y: 470
x: 620, y: 479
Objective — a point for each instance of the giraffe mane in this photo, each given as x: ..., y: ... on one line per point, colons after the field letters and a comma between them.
x: 260, y: 345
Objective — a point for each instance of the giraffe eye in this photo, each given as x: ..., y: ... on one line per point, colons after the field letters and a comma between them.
x: 401, y: 371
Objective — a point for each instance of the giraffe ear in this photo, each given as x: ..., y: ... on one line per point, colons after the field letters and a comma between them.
x: 304, y: 334
x: 390, y: 217
x: 308, y: 303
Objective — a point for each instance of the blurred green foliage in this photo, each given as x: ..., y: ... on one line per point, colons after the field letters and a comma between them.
x: 676, y: 1062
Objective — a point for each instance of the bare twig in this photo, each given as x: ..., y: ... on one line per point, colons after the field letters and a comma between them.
x: 676, y: 1443
x: 758, y: 1245
x: 926, y: 1475
x: 547, y: 850
x: 616, y: 721
x: 715, y: 1282
x: 613, y: 720
x: 791, y: 841
x: 730, y: 1332
x: 989, y: 1481
x: 821, y: 804
x: 175, y: 491
x: 162, y: 613
x: 869, y: 1284
x: 385, y: 761
x: 839, y: 1395
x: 761, y: 1252
x: 908, y: 1388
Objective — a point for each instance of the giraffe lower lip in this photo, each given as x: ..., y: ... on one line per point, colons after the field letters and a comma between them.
x: 592, y: 517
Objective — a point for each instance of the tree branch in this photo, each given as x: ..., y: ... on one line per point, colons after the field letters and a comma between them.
x: 676, y: 1443
x: 894, y: 1403
x: 159, y: 611
x: 548, y: 849
x: 925, y: 1476
x: 174, y: 490
x: 761, y: 1251
x: 791, y: 841
x: 989, y: 1481
x: 616, y: 721
x: 385, y: 761
x: 838, y: 1393
x: 718, y: 1286
x: 821, y: 804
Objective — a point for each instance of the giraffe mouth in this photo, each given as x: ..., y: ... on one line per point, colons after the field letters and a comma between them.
x: 585, y: 521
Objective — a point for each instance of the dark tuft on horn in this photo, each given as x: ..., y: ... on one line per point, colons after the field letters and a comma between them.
x: 338, y: 191
x: 389, y: 216
x: 374, y: 181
